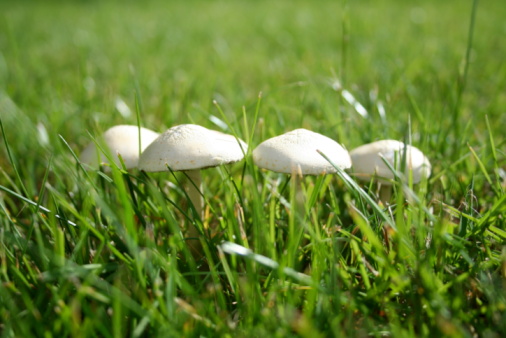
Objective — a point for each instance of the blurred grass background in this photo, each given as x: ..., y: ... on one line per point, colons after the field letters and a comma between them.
x: 72, y: 67
x: 183, y: 55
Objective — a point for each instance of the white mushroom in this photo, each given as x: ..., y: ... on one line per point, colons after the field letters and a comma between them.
x: 368, y: 162
x: 122, y: 140
x: 189, y: 148
x: 296, y: 152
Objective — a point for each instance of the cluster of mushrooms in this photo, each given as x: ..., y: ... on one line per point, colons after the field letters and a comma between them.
x: 190, y: 148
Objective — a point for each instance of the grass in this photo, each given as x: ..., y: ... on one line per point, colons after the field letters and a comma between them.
x: 87, y: 253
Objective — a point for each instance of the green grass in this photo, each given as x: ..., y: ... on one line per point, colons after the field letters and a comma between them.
x: 93, y: 253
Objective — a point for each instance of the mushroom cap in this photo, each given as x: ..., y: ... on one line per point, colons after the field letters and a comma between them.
x: 367, y: 161
x: 189, y: 147
x: 296, y: 151
x: 123, y: 140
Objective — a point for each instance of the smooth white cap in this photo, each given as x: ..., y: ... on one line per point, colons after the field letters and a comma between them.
x: 367, y: 160
x: 296, y: 152
x: 123, y: 140
x: 189, y: 147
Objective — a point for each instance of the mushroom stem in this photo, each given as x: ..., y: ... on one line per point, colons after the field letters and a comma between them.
x: 193, y: 190
x: 385, y: 194
x: 296, y: 216
x: 299, y: 198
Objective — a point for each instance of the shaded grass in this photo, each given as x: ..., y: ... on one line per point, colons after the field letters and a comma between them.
x: 433, y: 263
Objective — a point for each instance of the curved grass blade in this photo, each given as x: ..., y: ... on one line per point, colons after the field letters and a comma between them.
x: 236, y: 249
x: 352, y: 185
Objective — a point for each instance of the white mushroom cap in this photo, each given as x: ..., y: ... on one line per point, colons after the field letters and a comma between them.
x: 123, y: 140
x: 296, y: 152
x: 367, y: 160
x: 189, y: 147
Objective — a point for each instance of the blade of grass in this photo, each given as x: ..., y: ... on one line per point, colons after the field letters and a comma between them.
x: 462, y: 81
x: 24, y: 199
x: 11, y: 160
x: 232, y: 248
x: 352, y: 185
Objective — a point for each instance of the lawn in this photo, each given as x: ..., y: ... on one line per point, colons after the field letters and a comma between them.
x: 104, y: 251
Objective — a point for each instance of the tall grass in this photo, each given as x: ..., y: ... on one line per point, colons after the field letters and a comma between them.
x: 97, y: 252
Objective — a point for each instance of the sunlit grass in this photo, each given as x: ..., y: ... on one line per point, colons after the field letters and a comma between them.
x: 104, y: 253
